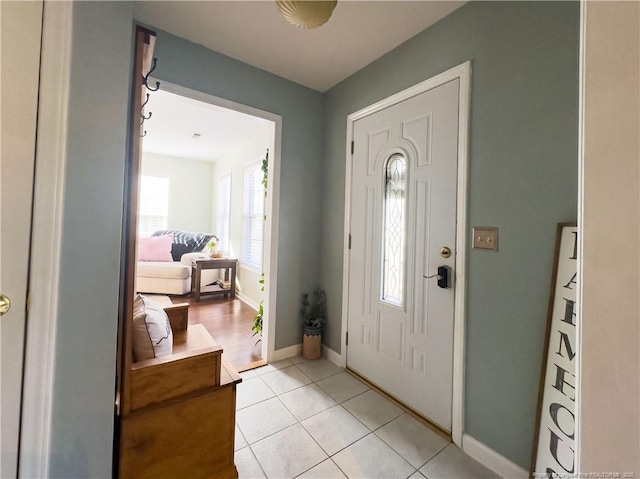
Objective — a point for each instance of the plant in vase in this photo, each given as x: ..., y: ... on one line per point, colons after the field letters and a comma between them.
x: 313, y: 315
x: 211, y: 248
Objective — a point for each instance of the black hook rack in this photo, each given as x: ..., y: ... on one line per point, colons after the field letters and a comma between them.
x: 145, y: 82
x: 144, y: 117
x: 145, y: 78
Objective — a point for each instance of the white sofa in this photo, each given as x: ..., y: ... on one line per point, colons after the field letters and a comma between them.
x: 173, y: 277
x: 170, y: 277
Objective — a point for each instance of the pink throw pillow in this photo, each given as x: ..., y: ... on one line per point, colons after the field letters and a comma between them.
x: 155, y: 248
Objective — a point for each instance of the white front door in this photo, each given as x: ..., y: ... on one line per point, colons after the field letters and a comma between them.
x: 403, y: 213
x: 21, y: 27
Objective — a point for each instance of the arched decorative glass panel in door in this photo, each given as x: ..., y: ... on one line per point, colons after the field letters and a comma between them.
x: 394, y: 233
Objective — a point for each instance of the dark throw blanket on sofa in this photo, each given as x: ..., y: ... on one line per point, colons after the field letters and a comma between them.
x: 184, y: 242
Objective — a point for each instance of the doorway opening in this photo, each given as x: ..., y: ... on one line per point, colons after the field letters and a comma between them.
x: 209, y: 171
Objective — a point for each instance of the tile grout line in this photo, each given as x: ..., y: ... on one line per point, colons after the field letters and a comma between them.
x: 286, y: 408
x: 314, y: 382
x: 284, y: 392
x: 330, y: 456
x: 398, y: 452
x: 299, y: 422
x: 257, y: 461
x: 276, y: 395
x: 435, y: 455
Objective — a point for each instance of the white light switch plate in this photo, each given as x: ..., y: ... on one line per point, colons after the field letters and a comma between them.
x: 485, y: 238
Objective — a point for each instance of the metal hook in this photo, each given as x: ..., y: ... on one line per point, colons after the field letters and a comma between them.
x: 144, y: 134
x: 145, y: 117
x: 145, y: 78
x: 145, y: 102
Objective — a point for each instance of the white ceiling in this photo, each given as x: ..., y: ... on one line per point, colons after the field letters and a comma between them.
x: 359, y: 32
x: 223, y: 133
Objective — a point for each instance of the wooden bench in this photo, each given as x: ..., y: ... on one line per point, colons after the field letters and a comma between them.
x: 178, y: 411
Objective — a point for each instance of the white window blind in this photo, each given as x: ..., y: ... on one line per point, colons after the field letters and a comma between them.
x: 252, y: 217
x: 223, y: 219
x: 154, y: 205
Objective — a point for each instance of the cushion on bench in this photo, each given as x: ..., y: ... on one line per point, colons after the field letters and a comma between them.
x: 152, y: 335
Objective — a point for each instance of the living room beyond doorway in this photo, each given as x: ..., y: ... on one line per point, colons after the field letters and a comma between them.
x: 203, y: 174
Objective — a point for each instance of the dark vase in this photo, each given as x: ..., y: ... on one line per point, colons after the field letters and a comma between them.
x: 312, y: 330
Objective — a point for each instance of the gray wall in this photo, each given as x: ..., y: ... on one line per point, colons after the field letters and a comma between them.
x: 82, y: 430
x: 522, y: 179
x: 193, y: 66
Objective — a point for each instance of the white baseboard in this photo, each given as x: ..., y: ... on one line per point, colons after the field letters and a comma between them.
x: 491, y: 459
x: 247, y: 301
x: 332, y: 356
x: 286, y: 353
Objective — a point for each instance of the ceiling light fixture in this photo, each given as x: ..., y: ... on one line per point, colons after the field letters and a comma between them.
x: 306, y: 13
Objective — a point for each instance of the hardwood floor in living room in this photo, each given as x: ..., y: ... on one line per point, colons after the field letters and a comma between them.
x: 229, y: 323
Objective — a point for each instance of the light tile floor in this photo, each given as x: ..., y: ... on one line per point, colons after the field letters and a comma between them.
x: 311, y: 419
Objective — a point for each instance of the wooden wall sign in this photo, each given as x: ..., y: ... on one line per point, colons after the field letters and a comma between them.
x: 553, y: 444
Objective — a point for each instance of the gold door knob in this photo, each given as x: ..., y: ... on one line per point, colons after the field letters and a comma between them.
x: 5, y: 304
x: 445, y: 252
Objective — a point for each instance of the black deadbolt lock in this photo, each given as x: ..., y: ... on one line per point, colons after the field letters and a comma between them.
x: 444, y: 272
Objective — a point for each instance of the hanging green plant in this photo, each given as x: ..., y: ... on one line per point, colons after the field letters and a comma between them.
x: 257, y: 319
x: 265, y: 171
x: 256, y: 327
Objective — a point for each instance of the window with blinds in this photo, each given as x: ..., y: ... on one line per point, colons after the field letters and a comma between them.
x: 154, y: 205
x: 223, y: 214
x: 252, y: 217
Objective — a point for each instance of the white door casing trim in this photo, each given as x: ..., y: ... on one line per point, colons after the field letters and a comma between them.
x: 39, y: 368
x: 580, y: 222
x: 272, y: 206
x: 463, y: 73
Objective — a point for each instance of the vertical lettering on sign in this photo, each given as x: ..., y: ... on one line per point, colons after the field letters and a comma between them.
x: 569, y: 312
x: 574, y: 255
x: 560, y: 451
x: 554, y: 446
x: 564, y: 339
x: 571, y: 281
x: 554, y: 411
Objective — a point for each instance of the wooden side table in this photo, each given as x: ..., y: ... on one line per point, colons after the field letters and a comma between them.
x: 198, y: 265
